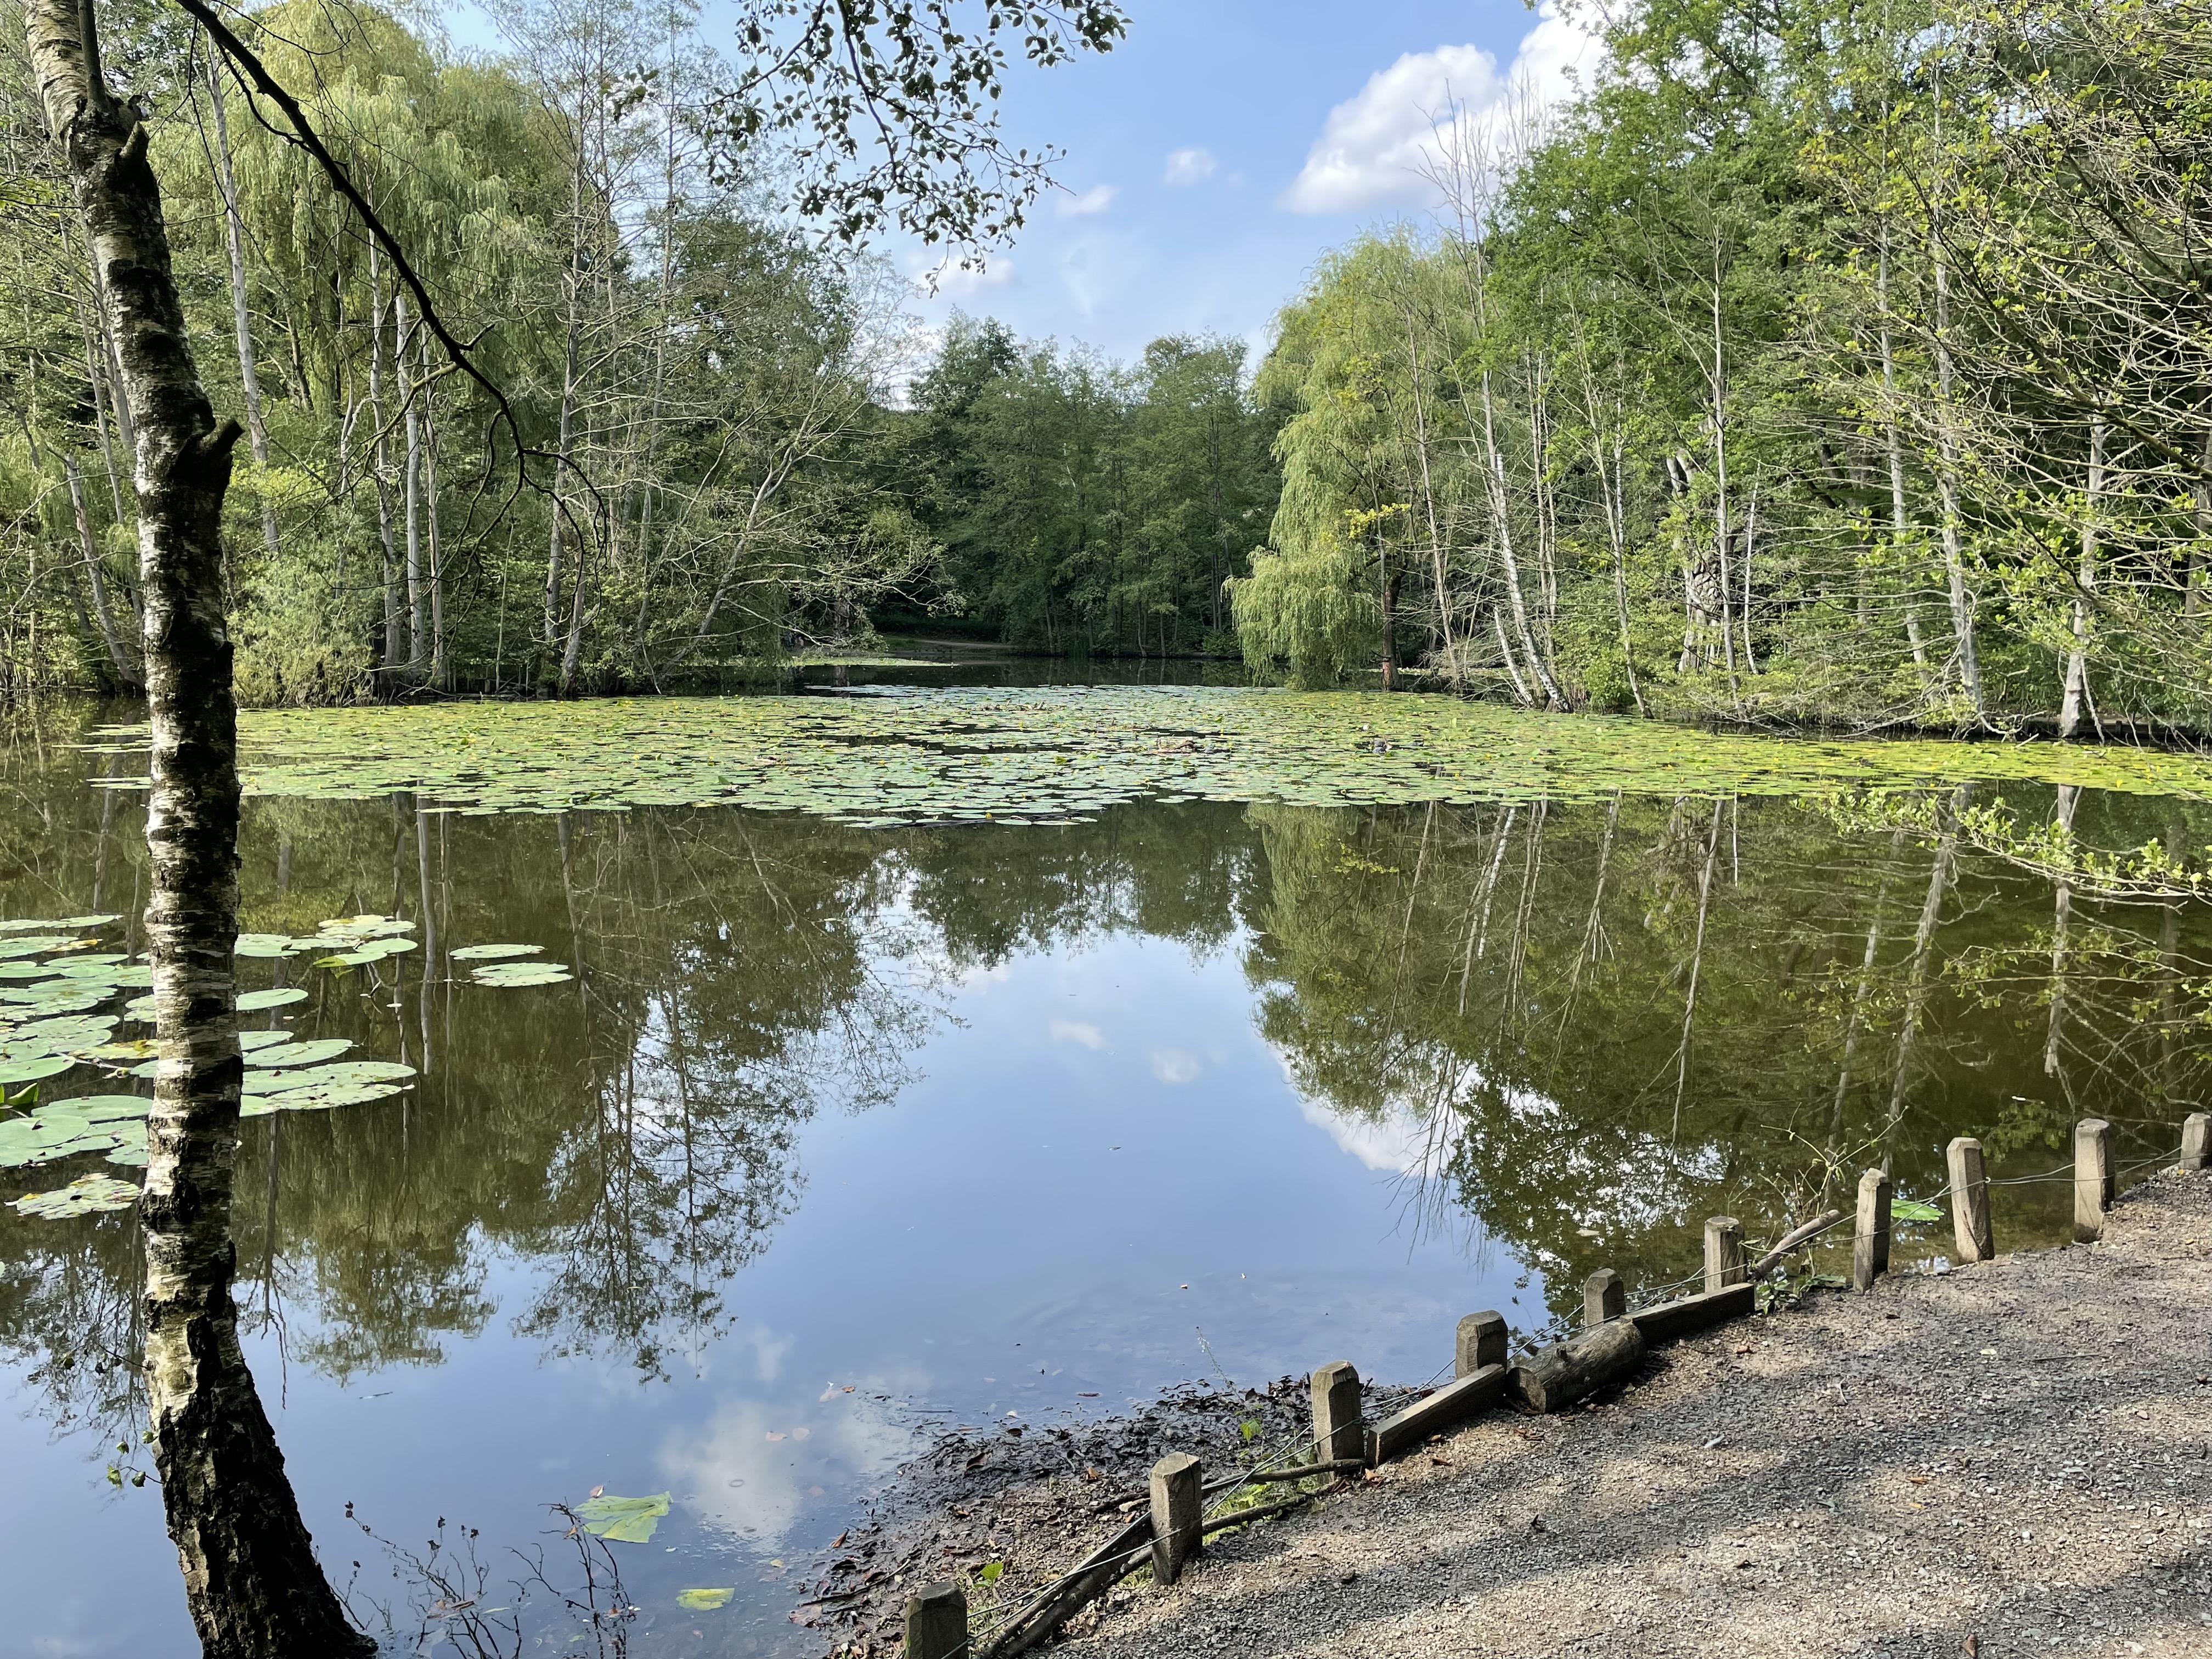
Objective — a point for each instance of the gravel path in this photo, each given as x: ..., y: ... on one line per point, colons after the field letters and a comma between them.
x: 2012, y: 1459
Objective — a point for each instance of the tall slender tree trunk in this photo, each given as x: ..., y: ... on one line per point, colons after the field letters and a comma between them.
x: 402, y: 371
x: 1900, y: 519
x: 2076, y: 696
x: 251, y: 1578
x: 439, y: 667
x: 126, y: 672
x: 257, y: 432
x: 1947, y: 445
x: 561, y: 461
x: 395, y: 639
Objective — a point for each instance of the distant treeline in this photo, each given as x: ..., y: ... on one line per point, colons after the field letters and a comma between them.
x: 718, y: 471
x: 1815, y: 365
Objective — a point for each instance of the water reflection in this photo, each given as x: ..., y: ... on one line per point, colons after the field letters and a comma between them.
x: 1569, y: 1034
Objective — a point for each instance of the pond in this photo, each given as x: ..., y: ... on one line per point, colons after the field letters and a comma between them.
x: 874, y: 1064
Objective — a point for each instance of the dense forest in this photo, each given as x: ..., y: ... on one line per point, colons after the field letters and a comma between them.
x: 1820, y: 362
x: 1815, y: 365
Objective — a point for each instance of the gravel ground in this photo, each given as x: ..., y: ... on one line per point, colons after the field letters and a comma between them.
x: 2015, y: 1458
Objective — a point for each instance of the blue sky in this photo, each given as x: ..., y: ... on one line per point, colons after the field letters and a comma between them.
x: 1227, y: 144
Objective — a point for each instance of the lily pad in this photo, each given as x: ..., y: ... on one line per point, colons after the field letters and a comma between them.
x: 249, y: 1040
x: 298, y: 1053
x: 627, y: 1520
x: 86, y: 1195
x: 704, y: 1600
x: 33, y: 1068
x: 103, y: 1108
x: 1913, y: 1209
x: 266, y: 945
x: 324, y: 1097
x: 495, y: 952
x: 514, y: 974
x: 254, y: 1001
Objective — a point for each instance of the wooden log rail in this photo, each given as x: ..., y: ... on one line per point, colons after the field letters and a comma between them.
x: 1610, y: 1347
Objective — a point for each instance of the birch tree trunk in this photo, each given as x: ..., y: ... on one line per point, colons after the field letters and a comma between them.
x: 402, y: 371
x: 1899, y: 519
x: 126, y: 674
x: 257, y: 432
x: 250, y: 1578
x: 380, y: 464
x: 2077, y: 659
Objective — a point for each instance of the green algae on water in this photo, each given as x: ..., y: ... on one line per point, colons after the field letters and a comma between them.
x: 979, y: 754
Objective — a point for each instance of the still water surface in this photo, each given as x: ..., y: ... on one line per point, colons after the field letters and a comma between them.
x: 842, y: 1137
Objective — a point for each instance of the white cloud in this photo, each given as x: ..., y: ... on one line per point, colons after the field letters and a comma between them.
x: 1176, y: 1065
x: 944, y: 277
x: 1076, y: 1030
x: 1380, y: 146
x: 1190, y: 167
x: 1097, y: 199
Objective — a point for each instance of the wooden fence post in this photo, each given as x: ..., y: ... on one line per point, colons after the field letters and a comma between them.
x: 1481, y: 1342
x: 2093, y: 1177
x: 1870, y: 1246
x: 1970, y: 1199
x: 1604, y: 1297
x: 937, y: 1622
x: 1337, y: 1431
x: 1176, y: 1516
x: 2197, y: 1141
x: 1724, y: 1263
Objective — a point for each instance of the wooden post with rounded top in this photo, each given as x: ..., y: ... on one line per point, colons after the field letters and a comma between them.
x: 1724, y: 1263
x: 2093, y: 1177
x: 1176, y: 1516
x: 2197, y: 1141
x: 937, y: 1622
x: 1870, y: 1243
x: 1604, y: 1297
x: 1337, y: 1431
x: 1481, y: 1342
x: 1970, y: 1199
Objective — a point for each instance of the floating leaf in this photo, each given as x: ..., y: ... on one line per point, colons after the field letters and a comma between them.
x: 298, y: 1053
x: 86, y: 1195
x: 703, y: 1600
x: 33, y: 1068
x: 102, y: 1108
x: 277, y: 999
x: 495, y: 952
x: 249, y: 1040
x: 522, y: 973
x: 1913, y: 1209
x: 324, y: 1097
x: 627, y: 1520
x: 265, y: 945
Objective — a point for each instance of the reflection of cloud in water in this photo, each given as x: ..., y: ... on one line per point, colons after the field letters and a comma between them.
x: 1080, y: 1031
x: 1176, y: 1065
x: 1401, y: 1143
x: 730, y: 1474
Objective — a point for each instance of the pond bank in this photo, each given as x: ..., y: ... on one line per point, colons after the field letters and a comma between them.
x: 2008, y: 1459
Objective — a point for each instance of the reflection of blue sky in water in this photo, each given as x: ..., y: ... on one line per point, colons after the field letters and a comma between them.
x: 1098, y: 1158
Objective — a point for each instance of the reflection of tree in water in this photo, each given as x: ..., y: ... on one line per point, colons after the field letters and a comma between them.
x: 1589, y: 1028
x: 1584, y: 1028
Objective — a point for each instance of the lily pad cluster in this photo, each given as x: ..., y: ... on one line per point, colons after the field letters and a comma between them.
x: 57, y: 988
x: 1013, y: 755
